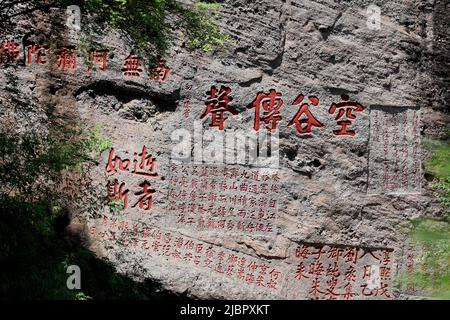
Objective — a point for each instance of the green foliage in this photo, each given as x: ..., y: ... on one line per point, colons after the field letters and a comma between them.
x: 439, y: 167
x: 30, y: 166
x: 202, y: 30
x: 34, y: 254
x: 431, y: 273
x: 145, y: 22
x: 116, y: 207
x: 96, y: 141
x: 28, y: 160
x: 81, y: 296
x: 439, y: 164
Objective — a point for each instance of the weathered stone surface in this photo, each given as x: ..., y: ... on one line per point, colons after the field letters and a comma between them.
x: 331, y: 190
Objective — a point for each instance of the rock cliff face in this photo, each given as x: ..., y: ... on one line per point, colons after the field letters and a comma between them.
x: 353, y: 100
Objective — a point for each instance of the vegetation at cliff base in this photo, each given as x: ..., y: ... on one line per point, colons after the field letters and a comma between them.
x: 431, y: 237
x: 439, y: 167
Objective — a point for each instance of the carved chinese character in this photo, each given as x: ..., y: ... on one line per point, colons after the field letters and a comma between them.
x: 217, y: 104
x: 300, y: 273
x: 38, y: 51
x: 132, y: 66
x: 9, y: 52
x: 118, y: 192
x: 345, y: 108
x: 302, y: 252
x: 98, y: 58
x: 147, y: 164
x: 160, y: 72
x: 146, y: 200
x: 271, y: 104
x: 144, y: 164
x: 315, y: 288
x: 67, y: 58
